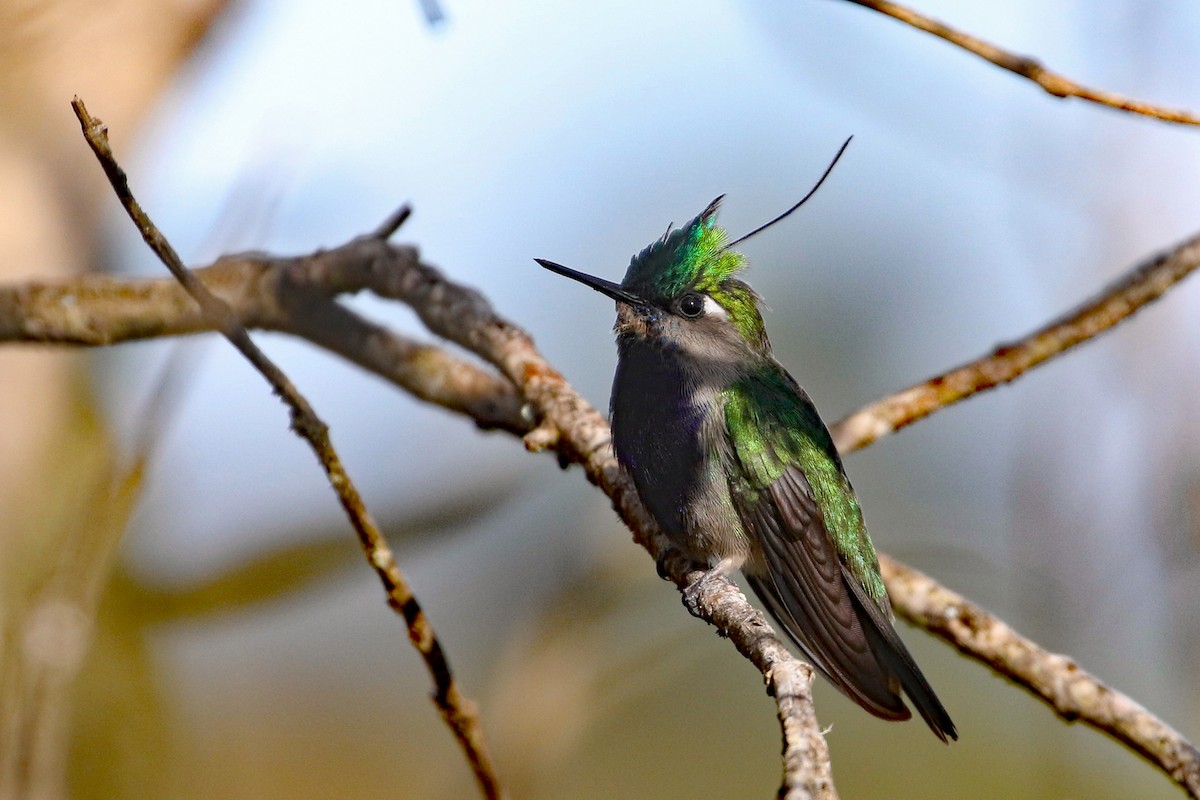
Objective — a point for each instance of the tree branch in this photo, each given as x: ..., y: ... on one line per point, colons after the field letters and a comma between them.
x: 457, y: 710
x: 1026, y: 67
x: 261, y: 292
x: 1074, y: 694
x: 1143, y: 284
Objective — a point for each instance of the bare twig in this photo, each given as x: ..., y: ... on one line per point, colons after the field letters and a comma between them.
x: 1143, y: 284
x: 262, y: 292
x: 805, y: 756
x: 458, y: 711
x: 1054, y: 83
x: 1074, y: 694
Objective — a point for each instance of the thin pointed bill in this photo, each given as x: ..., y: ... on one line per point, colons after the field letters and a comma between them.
x: 609, y: 288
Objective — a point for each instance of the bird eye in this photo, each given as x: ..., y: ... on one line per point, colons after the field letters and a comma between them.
x: 691, y: 305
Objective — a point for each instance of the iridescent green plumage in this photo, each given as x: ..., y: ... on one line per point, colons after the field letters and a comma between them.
x: 691, y: 257
x: 694, y: 259
x: 772, y: 429
x: 730, y: 457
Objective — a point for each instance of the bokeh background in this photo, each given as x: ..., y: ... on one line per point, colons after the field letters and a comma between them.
x: 206, y: 627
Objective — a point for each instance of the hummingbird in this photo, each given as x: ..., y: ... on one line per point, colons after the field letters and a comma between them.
x: 732, y: 460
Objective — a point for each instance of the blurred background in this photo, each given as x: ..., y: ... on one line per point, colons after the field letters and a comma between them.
x: 199, y: 622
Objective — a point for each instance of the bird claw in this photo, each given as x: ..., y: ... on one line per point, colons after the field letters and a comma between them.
x: 695, y: 590
x: 661, y: 565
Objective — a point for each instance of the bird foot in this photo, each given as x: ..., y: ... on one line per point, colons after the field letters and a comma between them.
x: 697, y: 588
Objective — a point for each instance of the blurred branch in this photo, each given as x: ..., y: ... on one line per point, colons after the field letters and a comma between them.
x: 433, y: 12
x: 54, y: 625
x: 457, y: 710
x: 1143, y: 284
x: 1054, y: 83
x: 262, y: 292
x: 1074, y: 694
x: 310, y: 558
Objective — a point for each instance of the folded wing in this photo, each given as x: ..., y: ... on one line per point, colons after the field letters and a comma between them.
x: 822, y: 585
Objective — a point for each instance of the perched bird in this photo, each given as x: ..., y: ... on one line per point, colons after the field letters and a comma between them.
x: 729, y: 456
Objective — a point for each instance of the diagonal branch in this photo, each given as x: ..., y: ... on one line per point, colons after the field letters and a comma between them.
x: 1054, y: 83
x: 1074, y: 694
x: 457, y: 710
x: 1142, y: 285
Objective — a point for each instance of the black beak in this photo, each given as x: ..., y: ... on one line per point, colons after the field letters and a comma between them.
x: 609, y: 288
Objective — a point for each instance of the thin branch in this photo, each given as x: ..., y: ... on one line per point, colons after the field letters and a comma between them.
x: 1142, y: 285
x: 1054, y: 83
x: 1074, y: 694
x: 807, y: 771
x: 458, y: 711
x: 96, y: 310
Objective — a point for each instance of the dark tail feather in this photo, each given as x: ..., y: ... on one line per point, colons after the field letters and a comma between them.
x: 856, y: 671
x: 889, y: 649
x: 875, y: 689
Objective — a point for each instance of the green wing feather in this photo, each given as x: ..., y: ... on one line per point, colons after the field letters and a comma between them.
x: 773, y: 427
x: 819, y: 575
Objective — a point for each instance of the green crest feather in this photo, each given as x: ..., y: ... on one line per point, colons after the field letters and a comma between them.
x: 696, y: 258
x: 691, y: 258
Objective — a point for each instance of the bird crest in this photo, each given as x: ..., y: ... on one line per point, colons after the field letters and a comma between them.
x: 690, y: 258
x: 697, y: 258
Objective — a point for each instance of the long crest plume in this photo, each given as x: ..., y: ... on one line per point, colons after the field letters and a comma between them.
x: 803, y: 200
x: 694, y: 257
